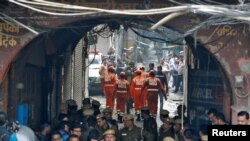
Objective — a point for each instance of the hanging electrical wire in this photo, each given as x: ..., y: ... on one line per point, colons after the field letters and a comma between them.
x: 221, y: 14
x: 221, y: 9
x: 155, y: 39
x: 214, y: 20
x: 240, y: 13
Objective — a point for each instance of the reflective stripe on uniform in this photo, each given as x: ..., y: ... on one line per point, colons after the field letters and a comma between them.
x: 154, y: 90
x: 121, y: 91
x: 137, y: 88
x: 109, y: 84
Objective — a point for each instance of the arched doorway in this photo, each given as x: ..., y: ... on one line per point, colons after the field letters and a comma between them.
x: 59, y: 43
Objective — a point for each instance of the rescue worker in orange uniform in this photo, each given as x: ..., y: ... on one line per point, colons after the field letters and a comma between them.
x: 144, y: 97
x: 109, y: 81
x: 153, y: 84
x: 135, y: 90
x: 121, y: 94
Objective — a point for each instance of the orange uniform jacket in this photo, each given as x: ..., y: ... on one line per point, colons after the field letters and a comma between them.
x: 153, y: 85
x: 121, y: 94
x: 135, y: 90
x: 109, y: 81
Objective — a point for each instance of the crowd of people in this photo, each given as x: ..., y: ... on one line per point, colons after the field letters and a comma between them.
x: 92, y: 124
x: 131, y: 84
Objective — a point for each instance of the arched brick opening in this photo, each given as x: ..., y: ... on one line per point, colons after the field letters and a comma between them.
x: 55, y: 43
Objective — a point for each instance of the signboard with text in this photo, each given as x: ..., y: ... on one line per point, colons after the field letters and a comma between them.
x: 205, y: 91
x: 11, y: 39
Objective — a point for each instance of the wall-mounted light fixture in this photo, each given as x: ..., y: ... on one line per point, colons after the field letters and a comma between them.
x: 238, y: 81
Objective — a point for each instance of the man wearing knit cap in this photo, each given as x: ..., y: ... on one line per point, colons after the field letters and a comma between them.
x: 153, y: 84
x: 131, y: 132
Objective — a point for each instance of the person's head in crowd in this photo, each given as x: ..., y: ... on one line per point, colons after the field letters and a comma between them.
x: 142, y: 68
x: 107, y: 112
x: 56, y: 136
x: 109, y: 135
x: 122, y: 75
x: 176, y: 60
x: 151, y: 73
x: 101, y: 121
x: 211, y: 115
x: 164, y: 114
x: 3, y: 119
x: 73, y: 137
x: 96, y: 104
x: 151, y: 66
x: 219, y: 119
x: 94, y: 135
x: 243, y: 118
x: 72, y: 105
x: 111, y: 69
x: 180, y: 108
x: 45, y: 129
x: 168, y: 138
x: 159, y: 68
x: 177, y: 124
x: 167, y: 123
x: 203, y: 132
x: 191, y: 135
x: 145, y: 112
x: 76, y: 129
x: 86, y: 101
x: 65, y: 126
x: 138, y: 72
x: 13, y: 125
x: 128, y: 121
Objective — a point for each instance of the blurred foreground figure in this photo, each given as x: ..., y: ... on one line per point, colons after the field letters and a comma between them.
x: 25, y: 134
